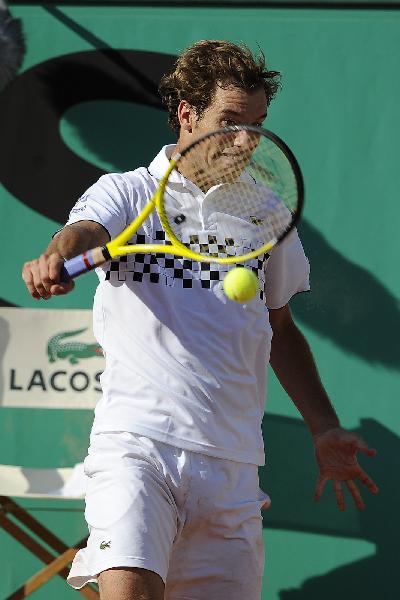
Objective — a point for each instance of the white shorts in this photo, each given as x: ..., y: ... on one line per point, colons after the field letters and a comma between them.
x: 193, y: 519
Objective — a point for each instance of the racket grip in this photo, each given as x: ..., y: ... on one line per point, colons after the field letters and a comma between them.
x: 87, y: 261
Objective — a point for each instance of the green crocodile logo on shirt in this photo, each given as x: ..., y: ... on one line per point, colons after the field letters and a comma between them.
x: 72, y: 350
x: 256, y: 220
x: 105, y: 545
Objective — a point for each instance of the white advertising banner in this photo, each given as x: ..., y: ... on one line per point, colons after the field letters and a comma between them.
x: 48, y: 359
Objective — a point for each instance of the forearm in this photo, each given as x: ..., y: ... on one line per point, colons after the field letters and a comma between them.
x: 294, y: 365
x: 77, y: 238
x: 42, y: 275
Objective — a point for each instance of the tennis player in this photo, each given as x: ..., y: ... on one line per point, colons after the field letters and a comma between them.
x: 173, y: 503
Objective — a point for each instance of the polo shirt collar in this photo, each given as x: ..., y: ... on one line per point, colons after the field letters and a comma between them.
x: 159, y: 165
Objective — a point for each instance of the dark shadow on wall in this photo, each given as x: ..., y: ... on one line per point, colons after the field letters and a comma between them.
x: 290, y: 479
x: 32, y: 107
x: 348, y: 304
x: 4, y: 302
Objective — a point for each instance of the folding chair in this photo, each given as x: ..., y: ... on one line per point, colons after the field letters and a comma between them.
x: 64, y: 484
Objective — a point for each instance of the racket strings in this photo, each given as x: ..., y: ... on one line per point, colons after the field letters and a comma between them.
x: 248, y: 190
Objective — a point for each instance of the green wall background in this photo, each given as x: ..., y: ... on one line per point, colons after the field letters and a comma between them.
x: 338, y: 111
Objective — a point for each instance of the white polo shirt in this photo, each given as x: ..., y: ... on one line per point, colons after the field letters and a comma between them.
x: 184, y: 365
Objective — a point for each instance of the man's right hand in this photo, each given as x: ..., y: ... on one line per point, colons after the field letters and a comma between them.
x: 42, y: 277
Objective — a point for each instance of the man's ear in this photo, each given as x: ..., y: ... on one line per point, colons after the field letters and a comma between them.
x: 186, y: 116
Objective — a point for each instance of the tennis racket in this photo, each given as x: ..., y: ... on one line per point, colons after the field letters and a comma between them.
x: 251, y: 195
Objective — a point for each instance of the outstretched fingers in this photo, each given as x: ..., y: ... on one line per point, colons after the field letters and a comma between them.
x: 368, y: 482
x: 351, y: 486
x: 319, y: 487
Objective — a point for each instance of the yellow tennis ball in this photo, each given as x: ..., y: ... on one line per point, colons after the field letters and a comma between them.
x: 241, y: 284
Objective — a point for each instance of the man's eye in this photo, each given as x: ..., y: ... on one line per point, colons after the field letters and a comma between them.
x: 228, y: 123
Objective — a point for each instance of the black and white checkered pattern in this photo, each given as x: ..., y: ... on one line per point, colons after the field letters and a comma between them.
x: 171, y: 270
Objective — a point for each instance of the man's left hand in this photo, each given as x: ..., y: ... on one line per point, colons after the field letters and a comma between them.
x: 336, y: 453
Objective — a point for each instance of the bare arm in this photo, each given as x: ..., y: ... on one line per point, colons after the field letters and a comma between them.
x: 294, y: 365
x: 42, y: 275
x: 335, y: 448
x: 77, y: 238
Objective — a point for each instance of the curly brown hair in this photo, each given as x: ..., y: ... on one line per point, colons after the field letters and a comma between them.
x: 208, y: 63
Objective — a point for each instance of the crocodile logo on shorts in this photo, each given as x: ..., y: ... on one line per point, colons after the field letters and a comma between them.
x: 105, y: 545
x: 73, y: 351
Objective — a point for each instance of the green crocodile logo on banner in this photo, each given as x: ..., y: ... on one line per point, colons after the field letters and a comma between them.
x: 72, y: 350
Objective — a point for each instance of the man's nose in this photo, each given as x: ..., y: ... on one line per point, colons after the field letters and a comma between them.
x: 245, y: 139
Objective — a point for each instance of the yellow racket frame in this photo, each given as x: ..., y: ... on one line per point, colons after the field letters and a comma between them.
x: 118, y: 247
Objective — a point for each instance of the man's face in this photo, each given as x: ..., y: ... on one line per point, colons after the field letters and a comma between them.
x: 222, y: 158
